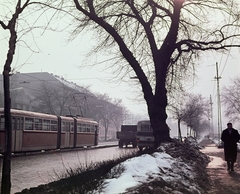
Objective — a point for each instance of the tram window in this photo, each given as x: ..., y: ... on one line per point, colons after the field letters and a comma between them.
x: 93, y: 128
x: 38, y: 124
x: 84, y: 128
x: 46, y: 125
x: 72, y: 127
x: 87, y: 128
x: 17, y: 123
x: 2, y: 123
x: 63, y: 126
x: 29, y: 123
x: 79, y: 127
x: 53, y: 125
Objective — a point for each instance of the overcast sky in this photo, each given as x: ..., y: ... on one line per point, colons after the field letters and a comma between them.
x: 55, y: 54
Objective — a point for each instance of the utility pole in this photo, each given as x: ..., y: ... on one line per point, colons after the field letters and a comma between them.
x: 211, y: 117
x: 219, y: 104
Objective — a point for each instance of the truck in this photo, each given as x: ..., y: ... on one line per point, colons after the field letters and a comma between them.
x: 127, y: 136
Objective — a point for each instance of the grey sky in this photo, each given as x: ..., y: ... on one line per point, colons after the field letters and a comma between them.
x: 54, y: 54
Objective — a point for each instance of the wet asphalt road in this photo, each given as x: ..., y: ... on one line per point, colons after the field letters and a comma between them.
x: 223, y: 181
x: 33, y: 170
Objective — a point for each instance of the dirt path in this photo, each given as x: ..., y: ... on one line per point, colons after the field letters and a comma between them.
x: 223, y: 181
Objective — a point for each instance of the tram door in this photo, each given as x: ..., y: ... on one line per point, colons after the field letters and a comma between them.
x: 17, y: 133
x: 67, y: 134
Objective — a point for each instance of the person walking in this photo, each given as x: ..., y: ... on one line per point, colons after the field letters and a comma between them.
x: 230, y: 137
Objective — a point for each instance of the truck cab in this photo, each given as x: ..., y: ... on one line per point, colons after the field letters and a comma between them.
x: 127, y: 136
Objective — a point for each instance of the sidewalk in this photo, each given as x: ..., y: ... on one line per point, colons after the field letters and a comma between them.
x: 223, y: 181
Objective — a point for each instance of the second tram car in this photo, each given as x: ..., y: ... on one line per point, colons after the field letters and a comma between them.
x: 32, y: 131
x: 145, y: 138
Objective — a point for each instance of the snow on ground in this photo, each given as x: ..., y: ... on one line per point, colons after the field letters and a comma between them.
x: 216, y: 162
x: 145, y: 168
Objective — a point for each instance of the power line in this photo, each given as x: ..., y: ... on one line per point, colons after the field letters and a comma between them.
x: 231, y: 43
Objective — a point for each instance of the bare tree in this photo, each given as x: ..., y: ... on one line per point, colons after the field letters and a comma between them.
x: 59, y: 99
x: 109, y: 112
x: 43, y: 101
x: 118, y: 113
x: 191, y: 110
x: 176, y: 108
x: 231, y: 99
x: 159, y: 40
x: 10, y: 21
x: 195, y: 113
x: 10, y: 25
x: 201, y: 127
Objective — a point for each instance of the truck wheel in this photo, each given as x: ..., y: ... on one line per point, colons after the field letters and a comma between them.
x: 120, y: 144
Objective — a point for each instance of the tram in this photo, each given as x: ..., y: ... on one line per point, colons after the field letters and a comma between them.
x: 32, y: 131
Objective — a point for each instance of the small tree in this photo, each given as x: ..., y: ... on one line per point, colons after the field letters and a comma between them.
x: 109, y: 112
x: 176, y: 108
x: 118, y: 111
x: 195, y: 112
x: 11, y: 27
x: 11, y: 23
x: 191, y: 110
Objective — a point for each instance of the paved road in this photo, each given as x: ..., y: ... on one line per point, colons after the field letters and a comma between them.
x: 223, y: 181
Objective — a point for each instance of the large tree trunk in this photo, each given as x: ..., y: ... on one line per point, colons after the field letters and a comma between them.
x: 6, y: 168
x: 157, y: 112
x: 158, y: 122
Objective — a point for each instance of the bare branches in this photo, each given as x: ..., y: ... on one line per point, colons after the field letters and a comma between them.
x: 143, y: 26
x: 3, y: 25
x: 222, y: 41
x: 231, y: 99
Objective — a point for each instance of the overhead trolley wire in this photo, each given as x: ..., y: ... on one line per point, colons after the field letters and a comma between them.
x: 230, y: 47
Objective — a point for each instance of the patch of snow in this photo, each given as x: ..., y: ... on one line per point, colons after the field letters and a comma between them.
x: 216, y: 162
x: 145, y: 168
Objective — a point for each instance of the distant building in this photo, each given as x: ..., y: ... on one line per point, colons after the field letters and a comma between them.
x: 27, y: 88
